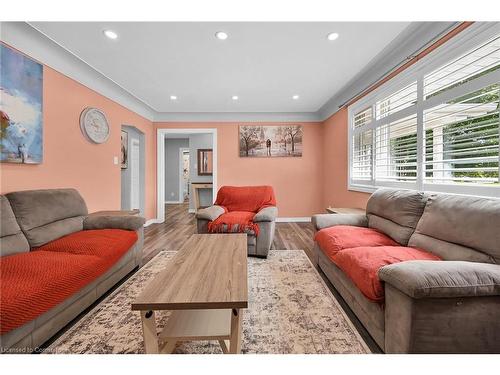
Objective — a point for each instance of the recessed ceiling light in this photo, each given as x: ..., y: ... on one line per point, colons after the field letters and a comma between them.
x: 173, y: 97
x: 295, y: 97
x: 110, y: 34
x: 333, y: 36
x: 235, y: 97
x: 221, y: 35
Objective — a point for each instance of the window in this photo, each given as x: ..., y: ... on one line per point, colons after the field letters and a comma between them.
x: 477, y: 62
x: 463, y: 145
x: 363, y: 118
x: 398, y: 101
x: 362, y: 156
x: 396, y: 151
x: 448, y: 140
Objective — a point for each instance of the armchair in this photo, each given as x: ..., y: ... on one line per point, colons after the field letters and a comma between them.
x: 247, y: 209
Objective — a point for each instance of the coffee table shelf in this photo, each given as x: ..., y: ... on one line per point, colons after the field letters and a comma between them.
x: 190, y: 325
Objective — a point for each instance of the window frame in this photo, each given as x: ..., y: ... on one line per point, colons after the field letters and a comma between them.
x: 473, y: 36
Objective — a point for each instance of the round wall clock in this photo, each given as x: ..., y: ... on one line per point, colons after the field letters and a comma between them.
x: 94, y: 125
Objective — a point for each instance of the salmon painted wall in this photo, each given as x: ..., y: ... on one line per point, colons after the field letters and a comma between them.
x: 70, y: 160
x: 297, y: 181
x: 335, y: 164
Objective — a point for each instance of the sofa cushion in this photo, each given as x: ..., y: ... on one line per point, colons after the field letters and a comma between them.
x: 12, y: 240
x: 334, y: 239
x: 395, y: 212
x: 34, y: 282
x: 102, y: 243
x: 362, y: 264
x: 45, y: 215
x: 470, y: 222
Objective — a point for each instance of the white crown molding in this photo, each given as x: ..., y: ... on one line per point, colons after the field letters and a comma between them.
x: 33, y: 43
x: 413, y: 38
x: 236, y: 116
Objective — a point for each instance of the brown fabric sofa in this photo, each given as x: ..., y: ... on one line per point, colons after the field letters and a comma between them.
x: 30, y: 219
x: 447, y: 306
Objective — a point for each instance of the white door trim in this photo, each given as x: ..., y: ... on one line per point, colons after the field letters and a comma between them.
x: 160, y: 165
x: 181, y: 172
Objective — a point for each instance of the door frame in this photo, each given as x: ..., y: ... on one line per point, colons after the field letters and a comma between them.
x: 160, y: 165
x: 181, y: 172
x: 142, y: 167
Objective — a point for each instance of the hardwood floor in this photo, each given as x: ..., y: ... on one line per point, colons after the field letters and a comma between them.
x: 179, y: 225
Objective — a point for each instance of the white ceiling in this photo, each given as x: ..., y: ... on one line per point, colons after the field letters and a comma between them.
x: 263, y: 63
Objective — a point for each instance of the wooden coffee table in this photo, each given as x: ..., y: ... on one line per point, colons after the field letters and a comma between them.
x: 205, y: 286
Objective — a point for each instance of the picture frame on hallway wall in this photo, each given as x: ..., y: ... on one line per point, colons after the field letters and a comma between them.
x: 261, y: 141
x: 21, y: 108
x: 124, y: 149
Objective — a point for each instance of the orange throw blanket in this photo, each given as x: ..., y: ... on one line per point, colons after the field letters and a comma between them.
x: 241, y: 203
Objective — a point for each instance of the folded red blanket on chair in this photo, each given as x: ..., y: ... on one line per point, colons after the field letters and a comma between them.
x: 234, y: 221
x: 241, y: 203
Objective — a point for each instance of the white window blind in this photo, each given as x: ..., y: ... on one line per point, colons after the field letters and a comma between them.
x: 396, y: 151
x: 461, y: 144
x: 483, y: 59
x: 362, y: 156
x: 401, y: 99
x: 363, y: 118
x: 439, y: 128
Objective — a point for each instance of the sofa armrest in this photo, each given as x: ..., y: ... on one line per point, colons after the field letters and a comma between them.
x: 443, y: 279
x: 266, y: 214
x: 126, y: 222
x: 322, y: 221
x: 210, y: 213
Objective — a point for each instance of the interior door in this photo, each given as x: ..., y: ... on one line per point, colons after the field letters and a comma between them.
x: 135, y: 174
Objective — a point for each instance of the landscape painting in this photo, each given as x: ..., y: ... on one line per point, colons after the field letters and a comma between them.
x: 270, y: 141
x: 21, y: 103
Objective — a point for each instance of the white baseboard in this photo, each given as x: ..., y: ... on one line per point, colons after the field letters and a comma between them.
x: 152, y: 221
x: 173, y: 202
x: 305, y: 219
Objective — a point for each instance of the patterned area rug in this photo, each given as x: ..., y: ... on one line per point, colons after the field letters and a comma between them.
x: 291, y: 310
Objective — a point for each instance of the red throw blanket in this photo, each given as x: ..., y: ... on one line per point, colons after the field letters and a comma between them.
x: 241, y: 203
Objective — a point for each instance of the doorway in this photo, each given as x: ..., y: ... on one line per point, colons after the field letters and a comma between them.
x: 184, y: 173
x: 135, y: 183
x: 133, y: 170
x: 197, y: 141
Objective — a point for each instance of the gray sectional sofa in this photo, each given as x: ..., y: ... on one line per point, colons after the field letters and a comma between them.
x: 448, y: 306
x: 30, y: 219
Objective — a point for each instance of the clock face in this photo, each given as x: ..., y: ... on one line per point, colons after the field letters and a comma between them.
x: 94, y: 125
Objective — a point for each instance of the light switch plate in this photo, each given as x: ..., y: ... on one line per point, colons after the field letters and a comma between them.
x: 115, y: 160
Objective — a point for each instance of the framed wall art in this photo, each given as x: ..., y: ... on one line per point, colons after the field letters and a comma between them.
x: 21, y: 108
x: 270, y: 141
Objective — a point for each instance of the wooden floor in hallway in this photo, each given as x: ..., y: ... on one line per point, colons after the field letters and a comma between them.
x: 180, y: 224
